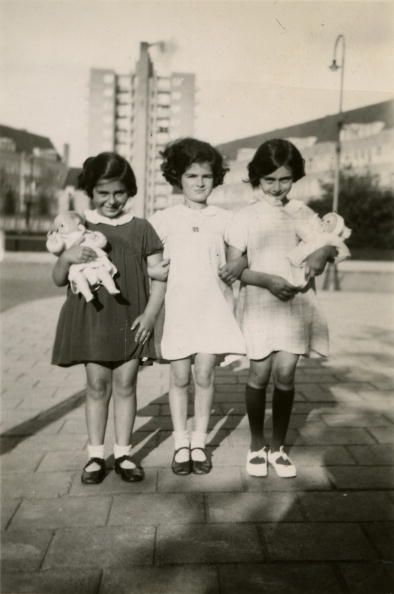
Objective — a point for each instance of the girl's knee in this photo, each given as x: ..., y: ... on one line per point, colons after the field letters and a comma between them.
x: 98, y: 389
x: 284, y: 380
x: 257, y: 380
x: 180, y: 380
x: 204, y: 378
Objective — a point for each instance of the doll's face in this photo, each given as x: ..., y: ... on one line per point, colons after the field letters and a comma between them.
x: 330, y: 222
x: 66, y: 224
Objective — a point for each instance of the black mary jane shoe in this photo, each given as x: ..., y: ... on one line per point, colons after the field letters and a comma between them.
x: 202, y: 467
x: 93, y: 477
x: 181, y: 468
x: 130, y: 475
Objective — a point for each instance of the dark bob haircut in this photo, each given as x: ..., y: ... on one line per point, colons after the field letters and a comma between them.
x: 106, y: 166
x: 180, y: 154
x: 273, y: 154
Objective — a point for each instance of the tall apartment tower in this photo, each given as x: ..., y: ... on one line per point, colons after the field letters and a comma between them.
x: 136, y: 115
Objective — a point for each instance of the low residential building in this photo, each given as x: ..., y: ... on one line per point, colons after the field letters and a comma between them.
x: 367, y: 146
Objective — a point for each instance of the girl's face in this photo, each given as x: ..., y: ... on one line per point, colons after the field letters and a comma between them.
x: 278, y: 183
x: 197, y: 183
x: 110, y: 197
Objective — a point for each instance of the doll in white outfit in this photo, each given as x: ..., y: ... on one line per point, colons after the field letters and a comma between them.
x: 68, y: 230
x: 316, y: 233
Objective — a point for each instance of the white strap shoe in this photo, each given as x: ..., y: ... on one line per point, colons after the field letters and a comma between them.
x: 282, y: 464
x: 256, y: 463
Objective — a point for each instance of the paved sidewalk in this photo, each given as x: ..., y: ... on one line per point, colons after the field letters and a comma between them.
x: 328, y: 531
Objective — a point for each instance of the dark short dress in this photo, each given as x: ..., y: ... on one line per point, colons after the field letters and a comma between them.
x: 99, y: 331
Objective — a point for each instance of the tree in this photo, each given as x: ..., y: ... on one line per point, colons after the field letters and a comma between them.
x: 367, y: 209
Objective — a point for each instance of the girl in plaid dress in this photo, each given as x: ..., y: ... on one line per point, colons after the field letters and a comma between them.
x: 280, y: 322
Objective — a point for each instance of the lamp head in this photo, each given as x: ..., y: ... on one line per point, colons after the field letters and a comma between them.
x: 334, y: 66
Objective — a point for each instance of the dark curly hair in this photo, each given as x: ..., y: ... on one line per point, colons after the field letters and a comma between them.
x: 106, y: 166
x: 180, y: 154
x: 273, y: 154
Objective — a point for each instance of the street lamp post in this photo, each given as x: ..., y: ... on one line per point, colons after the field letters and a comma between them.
x: 334, y: 66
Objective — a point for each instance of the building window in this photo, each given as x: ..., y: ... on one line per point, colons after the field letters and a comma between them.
x: 108, y: 92
x: 108, y: 78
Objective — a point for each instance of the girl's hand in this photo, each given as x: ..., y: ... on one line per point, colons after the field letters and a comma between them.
x: 281, y: 288
x: 232, y: 271
x: 160, y: 270
x: 144, y: 325
x: 316, y: 262
x: 78, y: 254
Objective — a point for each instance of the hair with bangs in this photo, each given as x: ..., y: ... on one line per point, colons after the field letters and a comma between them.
x: 273, y: 154
x: 106, y: 166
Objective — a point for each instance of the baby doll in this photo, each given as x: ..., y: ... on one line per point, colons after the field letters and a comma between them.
x: 316, y: 233
x: 68, y: 230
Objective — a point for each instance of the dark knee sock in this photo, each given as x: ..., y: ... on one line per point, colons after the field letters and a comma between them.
x: 255, y: 408
x: 282, y: 405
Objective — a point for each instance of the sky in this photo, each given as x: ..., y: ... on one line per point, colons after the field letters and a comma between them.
x: 259, y: 65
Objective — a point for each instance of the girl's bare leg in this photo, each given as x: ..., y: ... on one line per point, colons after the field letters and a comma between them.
x: 124, y: 389
x: 178, y: 397
x: 98, y: 394
x: 204, y: 378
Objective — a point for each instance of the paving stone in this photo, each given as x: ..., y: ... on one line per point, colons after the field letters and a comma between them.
x: 227, y: 455
x: 361, y: 477
x: 162, y: 580
x: 381, y: 534
x: 383, y: 434
x: 101, y: 547
x: 368, y: 578
x: 286, y: 578
x: 62, y: 460
x: 51, y: 582
x: 113, y: 485
x: 315, y: 392
x: 18, y: 461
x: 62, y: 512
x: 351, y: 506
x: 355, y: 419
x: 319, y: 434
x: 315, y: 542
x: 214, y: 543
x: 252, y: 507
x: 48, y: 443
x: 28, y: 484
x: 8, y: 507
x: 152, y: 510
x: 241, y: 436
x: 377, y: 454
x: 308, y: 479
x: 219, y: 479
x: 320, y: 455
x: 23, y: 550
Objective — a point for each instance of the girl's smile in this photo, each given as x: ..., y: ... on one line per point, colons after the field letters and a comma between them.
x: 278, y: 183
x: 197, y: 184
x: 110, y: 197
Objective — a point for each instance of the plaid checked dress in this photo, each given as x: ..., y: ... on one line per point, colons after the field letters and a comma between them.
x: 266, y: 231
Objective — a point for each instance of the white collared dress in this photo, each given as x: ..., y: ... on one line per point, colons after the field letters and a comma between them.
x: 199, y: 308
x: 266, y: 231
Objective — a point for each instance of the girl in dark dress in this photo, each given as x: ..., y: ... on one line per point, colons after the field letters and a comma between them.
x: 112, y: 334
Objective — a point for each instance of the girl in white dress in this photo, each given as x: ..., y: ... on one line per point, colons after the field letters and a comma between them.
x: 199, y: 321
x: 280, y: 322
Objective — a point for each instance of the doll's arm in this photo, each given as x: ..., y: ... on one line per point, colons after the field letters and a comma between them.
x: 95, y: 239
x: 55, y: 244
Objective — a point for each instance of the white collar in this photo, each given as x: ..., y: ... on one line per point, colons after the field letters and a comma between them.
x: 209, y: 210
x: 92, y: 216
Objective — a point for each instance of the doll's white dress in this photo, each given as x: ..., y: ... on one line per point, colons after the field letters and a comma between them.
x: 199, y: 307
x: 266, y: 230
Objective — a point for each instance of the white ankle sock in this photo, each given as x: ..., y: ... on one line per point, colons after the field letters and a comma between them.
x: 120, y: 451
x: 95, y: 452
x: 198, y: 441
x: 181, y: 440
